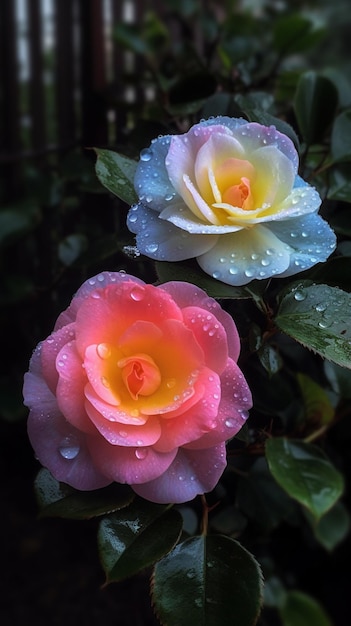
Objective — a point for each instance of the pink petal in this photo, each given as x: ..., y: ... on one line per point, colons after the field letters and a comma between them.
x: 210, y: 334
x: 104, y: 319
x: 186, y: 295
x: 196, y: 420
x: 58, y: 445
x: 129, y: 465
x: 70, y: 388
x: 49, y: 351
x: 90, y: 286
x: 117, y: 432
x: 233, y: 410
x: 193, y: 472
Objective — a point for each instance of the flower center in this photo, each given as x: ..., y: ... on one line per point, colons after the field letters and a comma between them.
x: 140, y: 375
x: 236, y: 195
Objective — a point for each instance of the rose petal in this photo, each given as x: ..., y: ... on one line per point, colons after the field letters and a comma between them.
x: 210, y: 335
x: 106, y: 318
x: 311, y: 239
x: 92, y: 285
x: 58, y: 445
x: 236, y: 401
x: 187, y: 295
x: 160, y: 239
x: 240, y: 257
x: 49, y: 351
x: 254, y: 136
x: 198, y: 419
x: 192, y: 472
x: 129, y: 465
x: 117, y: 427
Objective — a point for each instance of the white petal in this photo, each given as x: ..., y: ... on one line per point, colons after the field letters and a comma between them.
x: 311, y: 239
x: 161, y: 240
x: 240, y: 257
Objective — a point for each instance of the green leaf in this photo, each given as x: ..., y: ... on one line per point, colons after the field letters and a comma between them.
x: 57, y: 499
x: 341, y: 137
x: 305, y: 473
x: 318, y: 408
x: 136, y: 537
x: 332, y: 528
x: 315, y: 103
x: 259, y: 497
x: 116, y: 172
x: 302, y: 610
x: 295, y: 33
x: 192, y: 274
x: 319, y: 317
x: 205, y: 581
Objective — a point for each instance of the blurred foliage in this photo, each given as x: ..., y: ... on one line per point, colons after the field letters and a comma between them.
x: 276, y: 63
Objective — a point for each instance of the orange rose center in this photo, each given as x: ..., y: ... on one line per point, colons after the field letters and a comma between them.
x: 140, y: 375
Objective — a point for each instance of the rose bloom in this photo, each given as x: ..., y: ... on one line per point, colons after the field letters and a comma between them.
x: 137, y: 384
x: 227, y: 192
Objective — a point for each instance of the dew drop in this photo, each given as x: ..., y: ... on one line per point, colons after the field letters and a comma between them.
x: 69, y: 448
x: 141, y: 453
x: 321, y: 307
x: 105, y: 382
x: 137, y: 293
x: 230, y: 422
x: 233, y: 271
x: 146, y: 154
x: 123, y: 434
x: 103, y: 350
x: 133, y: 218
x: 150, y: 248
x: 325, y: 323
x: 216, y: 274
x: 299, y: 296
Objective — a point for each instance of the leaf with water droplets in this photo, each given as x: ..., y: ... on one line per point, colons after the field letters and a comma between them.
x: 116, y: 172
x: 137, y: 537
x: 57, y: 499
x: 319, y: 317
x: 207, y: 580
x: 305, y: 473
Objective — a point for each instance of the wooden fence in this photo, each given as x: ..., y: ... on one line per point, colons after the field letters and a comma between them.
x: 58, y: 61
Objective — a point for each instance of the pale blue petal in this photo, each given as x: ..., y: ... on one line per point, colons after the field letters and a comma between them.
x: 240, y: 257
x: 151, y: 181
x: 310, y: 238
x: 161, y: 240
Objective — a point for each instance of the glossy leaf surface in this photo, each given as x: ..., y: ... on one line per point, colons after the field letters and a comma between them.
x: 318, y: 316
x: 305, y: 473
x: 116, y: 172
x: 60, y: 500
x: 207, y: 580
x: 136, y: 537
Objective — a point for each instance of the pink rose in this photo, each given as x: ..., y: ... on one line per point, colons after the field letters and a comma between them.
x: 137, y: 384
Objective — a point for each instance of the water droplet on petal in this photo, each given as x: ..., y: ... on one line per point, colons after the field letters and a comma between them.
x: 150, y: 248
x: 69, y: 448
x: 137, y: 293
x: 230, y: 422
x: 103, y: 350
x: 141, y: 453
x: 146, y: 154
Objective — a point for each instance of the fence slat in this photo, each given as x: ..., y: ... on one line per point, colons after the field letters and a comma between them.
x: 36, y: 83
x: 65, y: 84
x: 10, y: 130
